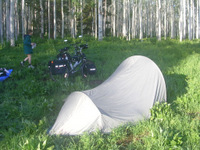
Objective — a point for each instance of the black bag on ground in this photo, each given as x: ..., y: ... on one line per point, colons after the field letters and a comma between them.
x: 58, y: 66
x: 89, y: 68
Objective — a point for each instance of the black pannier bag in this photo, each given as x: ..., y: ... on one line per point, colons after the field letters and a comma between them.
x: 89, y: 68
x: 58, y: 66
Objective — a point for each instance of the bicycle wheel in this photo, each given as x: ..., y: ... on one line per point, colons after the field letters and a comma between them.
x: 88, y: 68
x: 59, y: 76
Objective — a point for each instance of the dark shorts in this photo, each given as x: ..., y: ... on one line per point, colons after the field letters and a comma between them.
x: 28, y: 52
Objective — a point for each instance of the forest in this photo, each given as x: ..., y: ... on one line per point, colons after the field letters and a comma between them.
x: 129, y: 19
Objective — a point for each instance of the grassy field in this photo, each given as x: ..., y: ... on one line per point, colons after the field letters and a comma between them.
x: 30, y: 101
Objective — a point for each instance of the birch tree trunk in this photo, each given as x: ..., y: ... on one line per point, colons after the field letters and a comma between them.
x: 159, y: 19
x: 133, y: 20
x: 1, y: 22
x: 63, y: 18
x: 54, y: 18
x: 7, y: 21
x: 12, y: 23
x: 180, y: 21
x: 42, y: 19
x: 93, y: 21
x: 140, y: 13
x: 118, y: 19
x: 184, y: 19
x: 190, y: 20
x: 124, y: 19
x: 104, y: 19
x: 151, y: 20
x: 147, y: 18
x: 49, y: 19
x: 22, y: 19
x: 172, y: 20
x: 198, y: 15
x: 75, y: 20
x: 113, y: 17
x: 193, y: 21
x: 29, y: 19
x: 100, y: 18
x: 197, y: 20
x: 129, y: 20
x: 165, y: 19
x: 96, y: 24
x: 72, y: 22
x: 16, y: 20
x: 81, y: 9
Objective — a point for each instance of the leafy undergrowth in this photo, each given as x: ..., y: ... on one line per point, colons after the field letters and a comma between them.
x: 30, y: 100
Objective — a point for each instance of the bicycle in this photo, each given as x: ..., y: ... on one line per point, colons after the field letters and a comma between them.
x: 67, y: 64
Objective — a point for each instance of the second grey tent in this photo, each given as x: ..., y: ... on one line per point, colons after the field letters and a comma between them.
x: 126, y: 96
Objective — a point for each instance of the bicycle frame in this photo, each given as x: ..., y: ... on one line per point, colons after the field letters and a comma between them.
x: 68, y: 64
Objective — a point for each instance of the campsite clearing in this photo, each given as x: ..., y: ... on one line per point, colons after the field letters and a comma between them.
x: 30, y: 101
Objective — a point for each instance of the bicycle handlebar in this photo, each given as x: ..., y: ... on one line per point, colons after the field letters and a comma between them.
x: 64, y: 49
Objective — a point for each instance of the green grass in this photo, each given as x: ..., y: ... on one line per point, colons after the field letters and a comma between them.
x: 30, y: 101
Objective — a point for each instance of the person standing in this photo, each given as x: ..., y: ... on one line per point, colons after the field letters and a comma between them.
x: 28, y: 50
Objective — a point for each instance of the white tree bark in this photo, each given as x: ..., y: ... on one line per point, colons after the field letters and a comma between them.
x: 54, y: 19
x: 140, y: 13
x: 16, y: 20
x: 190, y: 20
x: 180, y: 21
x: 172, y: 19
x: 72, y: 21
x: 23, y: 19
x: 159, y: 20
x: 114, y: 17
x: 7, y: 21
x: 124, y: 19
x: 104, y: 17
x: 12, y: 23
x: 133, y: 20
x: 165, y: 19
x: 193, y: 20
x: 129, y: 20
x: 29, y: 19
x: 118, y: 30
x: 151, y: 20
x: 1, y: 22
x: 96, y: 23
x: 81, y: 11
x: 184, y: 19
x: 75, y: 20
x: 197, y: 20
x: 100, y: 18
x: 147, y: 17
x: 49, y: 19
x: 63, y: 19
x: 42, y: 19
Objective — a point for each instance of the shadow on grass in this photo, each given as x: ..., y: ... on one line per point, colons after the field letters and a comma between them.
x: 176, y: 86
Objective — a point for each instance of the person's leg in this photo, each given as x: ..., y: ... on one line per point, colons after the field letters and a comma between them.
x: 29, y: 59
x: 25, y: 59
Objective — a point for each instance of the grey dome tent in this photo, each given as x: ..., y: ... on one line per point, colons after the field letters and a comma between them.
x: 126, y: 96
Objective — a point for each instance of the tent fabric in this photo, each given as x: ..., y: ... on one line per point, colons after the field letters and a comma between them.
x: 126, y: 96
